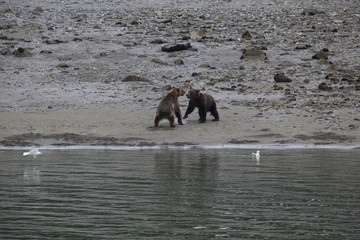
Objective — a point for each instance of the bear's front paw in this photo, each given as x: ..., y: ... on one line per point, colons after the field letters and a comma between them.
x: 181, y: 123
x: 185, y: 117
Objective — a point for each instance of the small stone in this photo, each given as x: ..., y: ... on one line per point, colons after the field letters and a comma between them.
x: 277, y: 87
x: 159, y: 61
x: 134, y: 78
x: 38, y: 10
x: 176, y: 47
x: 311, y: 11
x: 22, y: 52
x: 253, y: 54
x: 280, y: 77
x: 63, y: 65
x: 302, y: 47
x: 246, y: 35
x: 324, y: 87
x: 157, y: 41
x: 179, y: 62
x: 321, y: 55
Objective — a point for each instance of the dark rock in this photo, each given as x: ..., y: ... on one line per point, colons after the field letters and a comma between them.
x: 176, y: 47
x: 280, y: 77
x: 321, y: 55
x: 22, y: 52
x: 63, y: 65
x: 324, y: 87
x: 246, y: 35
x: 179, y: 62
x: 302, y: 47
x: 46, y: 52
x: 167, y: 21
x: 311, y: 11
x: 77, y: 39
x: 277, y: 87
x: 134, y: 78
x: 54, y: 41
x: 253, y: 54
x: 158, y: 41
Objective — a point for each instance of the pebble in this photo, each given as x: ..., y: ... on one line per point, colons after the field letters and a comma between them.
x: 253, y: 54
x: 176, y: 47
x: 280, y: 77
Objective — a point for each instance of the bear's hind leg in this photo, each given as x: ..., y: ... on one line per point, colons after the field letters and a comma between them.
x: 157, y: 120
x: 172, y: 121
x: 214, y: 112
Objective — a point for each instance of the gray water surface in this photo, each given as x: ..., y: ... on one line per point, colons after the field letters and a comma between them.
x: 180, y: 194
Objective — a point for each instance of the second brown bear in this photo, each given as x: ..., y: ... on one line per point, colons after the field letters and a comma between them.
x: 169, y: 107
x: 204, y: 102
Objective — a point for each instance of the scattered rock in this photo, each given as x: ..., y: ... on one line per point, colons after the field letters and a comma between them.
x: 321, y: 55
x: 63, y: 65
x: 46, y: 52
x: 159, y: 61
x: 55, y: 41
x: 176, y: 47
x: 157, y: 41
x: 5, y: 51
x: 199, y: 35
x: 179, y: 62
x: 134, y: 78
x: 246, y: 35
x: 38, y: 10
x: 311, y: 11
x: 22, y: 52
x: 253, y: 54
x: 324, y: 87
x: 280, y: 77
x: 277, y: 87
x: 303, y: 47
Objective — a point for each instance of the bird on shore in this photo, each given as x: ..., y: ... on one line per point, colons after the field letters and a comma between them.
x: 256, y: 155
x: 33, y: 152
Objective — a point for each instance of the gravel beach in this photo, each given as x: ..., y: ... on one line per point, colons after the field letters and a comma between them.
x: 92, y: 72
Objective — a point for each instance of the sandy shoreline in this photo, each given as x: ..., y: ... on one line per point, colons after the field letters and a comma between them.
x: 71, y: 88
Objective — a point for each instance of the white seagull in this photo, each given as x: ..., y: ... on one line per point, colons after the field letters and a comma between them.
x: 33, y: 152
x: 256, y: 155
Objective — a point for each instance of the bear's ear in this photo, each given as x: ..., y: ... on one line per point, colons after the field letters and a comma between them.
x: 172, y: 86
x: 190, y: 88
x: 198, y: 92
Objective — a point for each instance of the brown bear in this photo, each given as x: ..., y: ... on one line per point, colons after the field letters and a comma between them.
x: 204, y: 102
x: 169, y: 107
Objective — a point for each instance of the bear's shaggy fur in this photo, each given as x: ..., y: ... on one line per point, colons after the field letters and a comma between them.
x: 169, y: 107
x: 204, y: 102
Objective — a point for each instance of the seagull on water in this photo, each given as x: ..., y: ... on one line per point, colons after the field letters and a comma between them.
x: 256, y: 155
x: 33, y: 152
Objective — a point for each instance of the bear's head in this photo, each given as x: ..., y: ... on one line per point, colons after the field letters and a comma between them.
x: 193, y: 93
x: 178, y: 91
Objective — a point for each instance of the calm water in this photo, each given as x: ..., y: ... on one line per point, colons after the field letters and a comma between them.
x: 180, y: 194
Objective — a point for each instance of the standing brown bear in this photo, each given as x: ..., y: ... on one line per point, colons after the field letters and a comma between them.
x: 169, y: 107
x: 204, y: 102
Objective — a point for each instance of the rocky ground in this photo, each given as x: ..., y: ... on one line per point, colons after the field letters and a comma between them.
x: 93, y: 71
